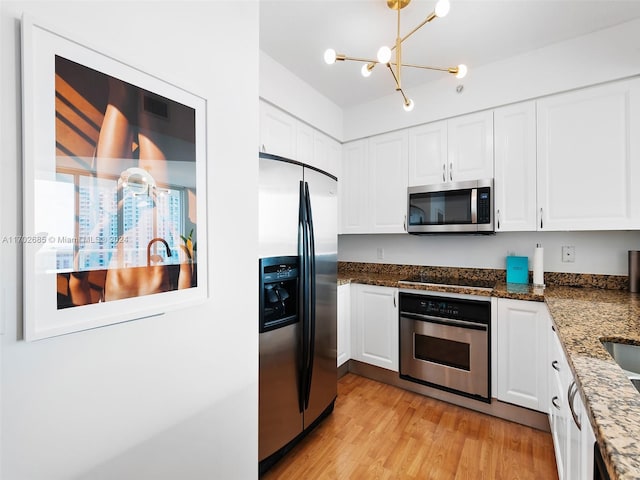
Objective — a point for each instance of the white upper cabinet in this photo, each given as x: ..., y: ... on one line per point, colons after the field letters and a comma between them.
x: 470, y: 147
x: 285, y: 136
x: 453, y: 150
x: 277, y: 131
x: 388, y: 182
x: 326, y: 153
x: 428, y: 154
x: 305, y: 144
x: 353, y: 188
x: 515, y: 167
x: 588, y: 158
x: 373, y: 184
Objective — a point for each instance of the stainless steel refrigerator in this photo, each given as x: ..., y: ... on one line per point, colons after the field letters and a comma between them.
x: 298, y: 290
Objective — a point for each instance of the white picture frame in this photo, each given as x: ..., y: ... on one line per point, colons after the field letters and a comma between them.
x: 113, y: 157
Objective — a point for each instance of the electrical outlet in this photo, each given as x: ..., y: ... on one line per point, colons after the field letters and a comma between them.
x: 380, y: 253
x: 568, y: 253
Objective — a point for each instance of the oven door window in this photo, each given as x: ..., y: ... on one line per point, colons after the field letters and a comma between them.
x: 442, y: 351
x: 441, y: 208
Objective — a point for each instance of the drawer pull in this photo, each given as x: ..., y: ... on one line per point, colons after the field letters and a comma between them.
x: 554, y: 401
x: 555, y: 366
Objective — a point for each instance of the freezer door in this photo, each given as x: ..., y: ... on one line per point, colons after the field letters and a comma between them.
x: 324, y: 214
x: 279, y: 415
x: 278, y: 208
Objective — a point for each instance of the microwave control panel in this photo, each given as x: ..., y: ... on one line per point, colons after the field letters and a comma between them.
x: 484, y: 205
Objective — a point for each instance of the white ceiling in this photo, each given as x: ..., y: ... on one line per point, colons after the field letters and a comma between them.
x: 296, y: 33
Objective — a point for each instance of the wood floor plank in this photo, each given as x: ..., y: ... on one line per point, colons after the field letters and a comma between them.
x: 378, y: 431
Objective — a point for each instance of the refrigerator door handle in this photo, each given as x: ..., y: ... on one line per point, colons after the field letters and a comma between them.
x: 311, y: 278
x: 302, y: 295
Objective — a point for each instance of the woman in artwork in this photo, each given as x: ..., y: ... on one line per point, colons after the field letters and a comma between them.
x: 129, y: 139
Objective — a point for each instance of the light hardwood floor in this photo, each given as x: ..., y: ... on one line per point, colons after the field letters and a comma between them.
x: 378, y: 431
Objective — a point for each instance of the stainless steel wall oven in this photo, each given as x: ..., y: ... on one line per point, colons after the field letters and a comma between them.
x: 445, y: 343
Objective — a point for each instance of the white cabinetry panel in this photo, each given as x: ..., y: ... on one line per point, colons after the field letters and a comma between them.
x: 375, y: 336
x: 344, y: 324
x: 428, y: 154
x: 470, y: 146
x: 522, y: 353
x: 515, y: 167
x: 588, y: 168
x: 388, y: 182
x: 353, y: 188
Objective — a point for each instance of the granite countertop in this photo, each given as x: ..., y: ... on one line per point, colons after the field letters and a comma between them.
x: 582, y: 317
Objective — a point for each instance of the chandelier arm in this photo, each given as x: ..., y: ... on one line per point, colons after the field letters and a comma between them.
x: 453, y: 70
x: 395, y: 78
x: 358, y: 59
x: 431, y: 16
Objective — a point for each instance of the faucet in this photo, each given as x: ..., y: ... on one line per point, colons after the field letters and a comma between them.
x: 151, y: 242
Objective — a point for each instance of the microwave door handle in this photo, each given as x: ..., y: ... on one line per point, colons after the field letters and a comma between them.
x: 474, y: 205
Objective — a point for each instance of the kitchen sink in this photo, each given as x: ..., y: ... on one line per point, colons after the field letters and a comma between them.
x: 628, y: 357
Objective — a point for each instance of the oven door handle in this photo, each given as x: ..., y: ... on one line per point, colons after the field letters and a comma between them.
x: 445, y: 321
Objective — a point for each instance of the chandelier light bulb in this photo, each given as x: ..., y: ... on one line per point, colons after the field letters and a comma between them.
x: 366, y: 71
x: 408, y: 105
x: 384, y: 54
x: 462, y: 71
x: 330, y: 56
x: 442, y: 8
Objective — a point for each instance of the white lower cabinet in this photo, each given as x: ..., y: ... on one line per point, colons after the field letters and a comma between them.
x: 375, y: 325
x: 573, y: 437
x: 344, y: 324
x: 522, y: 353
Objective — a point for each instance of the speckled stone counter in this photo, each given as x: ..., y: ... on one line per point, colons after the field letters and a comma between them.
x: 584, y: 317
x: 593, y: 308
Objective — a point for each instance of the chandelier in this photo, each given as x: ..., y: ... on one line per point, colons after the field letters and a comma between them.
x: 385, y: 52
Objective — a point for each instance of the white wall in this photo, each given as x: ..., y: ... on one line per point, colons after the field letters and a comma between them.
x: 595, y: 58
x: 596, y: 252
x: 283, y: 89
x: 160, y: 398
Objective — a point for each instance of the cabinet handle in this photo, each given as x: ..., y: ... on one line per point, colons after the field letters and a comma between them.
x: 405, y: 223
x: 451, y: 171
x: 498, y: 215
x: 541, y: 225
x: 554, y: 401
x: 555, y: 366
x: 394, y: 300
x: 571, y: 395
x: 264, y: 150
x: 444, y: 172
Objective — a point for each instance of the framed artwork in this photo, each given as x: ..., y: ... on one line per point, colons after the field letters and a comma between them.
x: 114, y: 189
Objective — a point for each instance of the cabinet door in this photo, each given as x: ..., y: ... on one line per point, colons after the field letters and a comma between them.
x: 353, y: 189
x: 470, y: 147
x: 428, y: 154
x: 388, y: 182
x: 376, y: 332
x: 277, y: 131
x: 588, y: 168
x: 326, y: 153
x: 558, y: 407
x: 515, y: 167
x: 522, y: 353
x: 334, y: 156
x: 304, y: 144
x: 344, y: 324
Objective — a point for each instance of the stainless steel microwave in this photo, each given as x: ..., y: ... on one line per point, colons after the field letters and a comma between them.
x: 461, y: 207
